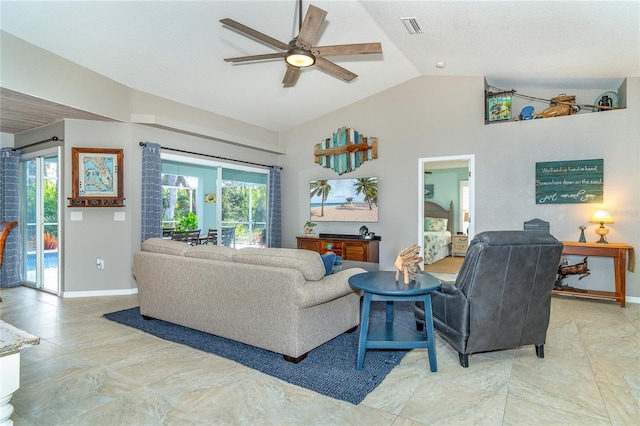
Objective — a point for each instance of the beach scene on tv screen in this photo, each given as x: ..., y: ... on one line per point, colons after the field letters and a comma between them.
x: 344, y: 200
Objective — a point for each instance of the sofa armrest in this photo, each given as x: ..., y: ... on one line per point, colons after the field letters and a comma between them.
x: 328, y: 288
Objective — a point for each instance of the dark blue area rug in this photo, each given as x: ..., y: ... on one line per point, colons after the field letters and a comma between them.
x: 329, y: 369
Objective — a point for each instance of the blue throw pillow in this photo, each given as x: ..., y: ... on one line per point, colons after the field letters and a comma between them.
x: 328, y: 260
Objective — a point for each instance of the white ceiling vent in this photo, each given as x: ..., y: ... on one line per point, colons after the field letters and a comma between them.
x: 412, y: 25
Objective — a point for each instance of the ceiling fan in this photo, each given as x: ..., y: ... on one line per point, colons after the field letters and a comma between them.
x: 300, y: 52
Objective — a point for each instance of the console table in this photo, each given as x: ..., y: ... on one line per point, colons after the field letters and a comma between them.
x: 618, y: 252
x: 349, y: 247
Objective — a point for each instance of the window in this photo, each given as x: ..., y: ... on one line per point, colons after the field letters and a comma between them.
x: 179, y: 194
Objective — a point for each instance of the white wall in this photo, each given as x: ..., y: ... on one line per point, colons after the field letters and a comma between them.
x: 444, y: 116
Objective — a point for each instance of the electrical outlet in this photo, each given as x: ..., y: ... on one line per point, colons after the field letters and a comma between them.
x: 100, y: 263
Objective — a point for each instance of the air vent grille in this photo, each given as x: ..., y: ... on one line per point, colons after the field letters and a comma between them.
x: 412, y: 25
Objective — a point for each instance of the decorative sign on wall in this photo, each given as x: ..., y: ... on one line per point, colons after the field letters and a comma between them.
x: 499, y: 108
x: 346, y: 150
x: 564, y: 182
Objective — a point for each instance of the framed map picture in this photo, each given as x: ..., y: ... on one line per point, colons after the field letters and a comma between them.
x: 97, y: 177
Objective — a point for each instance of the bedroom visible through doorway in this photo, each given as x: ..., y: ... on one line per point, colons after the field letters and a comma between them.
x: 446, y: 185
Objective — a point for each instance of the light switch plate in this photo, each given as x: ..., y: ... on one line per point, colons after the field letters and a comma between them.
x: 76, y: 215
x: 118, y: 216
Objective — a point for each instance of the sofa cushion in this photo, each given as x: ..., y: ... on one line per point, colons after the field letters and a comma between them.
x: 328, y: 259
x: 161, y: 245
x: 211, y: 252
x: 307, y: 262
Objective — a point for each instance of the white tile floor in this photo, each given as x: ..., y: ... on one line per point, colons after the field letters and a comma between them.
x: 91, y: 371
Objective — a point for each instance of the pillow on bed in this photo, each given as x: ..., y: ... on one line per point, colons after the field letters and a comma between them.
x: 435, y: 224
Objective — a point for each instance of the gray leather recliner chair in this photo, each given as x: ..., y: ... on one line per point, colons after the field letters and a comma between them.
x: 502, y: 296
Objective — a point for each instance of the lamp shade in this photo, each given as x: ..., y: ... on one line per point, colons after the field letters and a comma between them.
x: 601, y: 216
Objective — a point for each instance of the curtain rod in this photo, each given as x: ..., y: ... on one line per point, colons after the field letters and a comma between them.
x: 52, y: 138
x: 212, y: 156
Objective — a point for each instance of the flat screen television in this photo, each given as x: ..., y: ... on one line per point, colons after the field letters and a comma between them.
x: 344, y: 200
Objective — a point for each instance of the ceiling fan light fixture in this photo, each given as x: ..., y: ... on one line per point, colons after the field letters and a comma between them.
x: 300, y: 58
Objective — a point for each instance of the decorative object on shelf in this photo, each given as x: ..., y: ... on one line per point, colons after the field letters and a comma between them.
x: 408, y: 263
x: 97, y: 178
x: 308, y: 228
x: 602, y: 217
x: 570, y: 182
x: 210, y: 198
x: 582, y: 237
x: 560, y: 105
x: 363, y: 231
x: 606, y: 102
x: 565, y: 270
x: 527, y: 113
x: 345, y: 151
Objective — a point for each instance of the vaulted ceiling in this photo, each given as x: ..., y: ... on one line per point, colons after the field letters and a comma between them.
x: 176, y: 49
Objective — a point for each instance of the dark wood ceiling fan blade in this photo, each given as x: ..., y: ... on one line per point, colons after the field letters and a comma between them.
x: 310, y: 27
x: 255, y: 57
x: 255, y: 34
x: 291, y: 76
x: 347, y: 49
x: 335, y: 70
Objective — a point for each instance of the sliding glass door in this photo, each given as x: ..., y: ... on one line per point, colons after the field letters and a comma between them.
x: 40, y: 217
x: 244, y: 206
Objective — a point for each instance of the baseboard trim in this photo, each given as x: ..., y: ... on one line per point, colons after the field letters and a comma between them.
x: 99, y: 293
x: 630, y: 299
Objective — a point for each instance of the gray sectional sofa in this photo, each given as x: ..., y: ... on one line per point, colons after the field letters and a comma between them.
x: 275, y: 299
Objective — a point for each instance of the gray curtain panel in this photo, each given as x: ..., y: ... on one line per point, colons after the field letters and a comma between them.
x: 10, y: 212
x: 151, y: 191
x: 274, y: 228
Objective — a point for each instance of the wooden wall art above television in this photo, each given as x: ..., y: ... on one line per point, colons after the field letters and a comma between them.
x: 346, y: 150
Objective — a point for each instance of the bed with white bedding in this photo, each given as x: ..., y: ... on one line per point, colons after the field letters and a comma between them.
x: 438, y: 226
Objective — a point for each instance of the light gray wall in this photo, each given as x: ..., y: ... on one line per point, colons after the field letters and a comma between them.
x: 6, y: 140
x: 28, y: 69
x: 444, y: 116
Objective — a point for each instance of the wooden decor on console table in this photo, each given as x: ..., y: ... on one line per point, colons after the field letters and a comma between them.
x: 97, y: 178
x: 346, y: 150
x: 408, y: 263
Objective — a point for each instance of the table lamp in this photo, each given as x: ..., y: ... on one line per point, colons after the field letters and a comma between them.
x: 602, y: 217
x: 466, y: 220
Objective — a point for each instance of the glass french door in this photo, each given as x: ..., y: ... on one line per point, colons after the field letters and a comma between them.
x: 41, y: 218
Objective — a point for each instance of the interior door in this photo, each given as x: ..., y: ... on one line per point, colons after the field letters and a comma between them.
x: 41, y: 218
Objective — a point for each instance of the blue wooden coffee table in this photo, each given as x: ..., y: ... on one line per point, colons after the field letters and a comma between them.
x: 382, y: 286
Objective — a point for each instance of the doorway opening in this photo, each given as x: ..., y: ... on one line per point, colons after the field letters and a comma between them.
x: 446, y: 180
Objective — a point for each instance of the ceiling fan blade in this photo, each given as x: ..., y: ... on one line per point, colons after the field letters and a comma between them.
x: 255, y: 34
x: 335, y: 70
x: 291, y: 76
x: 310, y: 27
x: 255, y: 57
x: 347, y: 49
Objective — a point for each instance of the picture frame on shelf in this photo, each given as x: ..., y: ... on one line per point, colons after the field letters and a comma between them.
x: 499, y: 108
